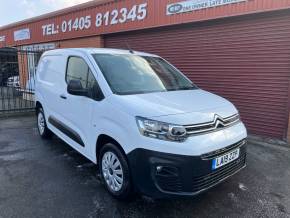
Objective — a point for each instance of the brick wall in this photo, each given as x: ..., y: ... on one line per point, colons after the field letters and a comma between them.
x: 93, y: 41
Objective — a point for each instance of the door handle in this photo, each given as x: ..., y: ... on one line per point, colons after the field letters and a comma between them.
x: 63, y: 96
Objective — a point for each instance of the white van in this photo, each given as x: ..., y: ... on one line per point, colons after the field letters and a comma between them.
x: 147, y: 126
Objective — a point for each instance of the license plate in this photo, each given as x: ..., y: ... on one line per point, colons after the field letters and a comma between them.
x: 225, y: 159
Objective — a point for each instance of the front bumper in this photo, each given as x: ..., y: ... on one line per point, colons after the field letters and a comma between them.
x: 161, y: 175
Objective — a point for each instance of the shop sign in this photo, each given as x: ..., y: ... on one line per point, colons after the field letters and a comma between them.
x: 37, y: 47
x: 22, y: 34
x: 136, y: 13
x: 2, y: 38
x: 194, y: 5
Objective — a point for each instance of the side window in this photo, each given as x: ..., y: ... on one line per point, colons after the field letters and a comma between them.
x: 77, y: 69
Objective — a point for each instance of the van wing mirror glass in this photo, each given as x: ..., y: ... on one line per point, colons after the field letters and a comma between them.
x: 75, y: 88
x: 97, y: 93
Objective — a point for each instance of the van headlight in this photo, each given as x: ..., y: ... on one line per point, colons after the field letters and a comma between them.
x: 161, y: 130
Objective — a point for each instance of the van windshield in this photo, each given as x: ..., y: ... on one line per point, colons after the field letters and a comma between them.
x: 133, y: 74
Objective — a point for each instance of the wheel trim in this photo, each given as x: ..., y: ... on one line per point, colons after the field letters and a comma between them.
x: 112, y: 171
x: 41, y: 123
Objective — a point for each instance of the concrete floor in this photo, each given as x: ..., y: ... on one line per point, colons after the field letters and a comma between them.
x: 48, y: 179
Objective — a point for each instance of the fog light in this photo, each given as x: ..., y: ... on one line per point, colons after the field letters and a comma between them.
x: 159, y: 169
x: 166, y: 171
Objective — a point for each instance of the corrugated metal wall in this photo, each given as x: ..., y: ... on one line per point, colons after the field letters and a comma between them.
x: 246, y: 60
x: 156, y: 16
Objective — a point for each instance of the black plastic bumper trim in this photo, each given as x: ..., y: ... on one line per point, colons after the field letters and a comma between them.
x: 66, y: 130
x: 183, y: 175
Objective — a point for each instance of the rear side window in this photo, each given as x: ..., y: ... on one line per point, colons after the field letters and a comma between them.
x: 77, y: 69
x: 50, y: 69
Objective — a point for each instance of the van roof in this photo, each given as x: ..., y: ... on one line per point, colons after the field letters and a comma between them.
x: 96, y: 51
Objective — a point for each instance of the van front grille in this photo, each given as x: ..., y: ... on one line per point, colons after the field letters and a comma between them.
x: 217, y: 124
x: 206, y: 181
x: 222, y: 151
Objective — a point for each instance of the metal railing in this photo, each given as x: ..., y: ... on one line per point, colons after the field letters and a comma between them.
x: 17, y: 79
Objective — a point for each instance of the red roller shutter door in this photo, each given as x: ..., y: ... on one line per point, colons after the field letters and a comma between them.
x: 244, y: 59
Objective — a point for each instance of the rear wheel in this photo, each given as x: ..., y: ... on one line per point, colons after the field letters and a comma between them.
x: 114, y: 171
x: 44, y: 132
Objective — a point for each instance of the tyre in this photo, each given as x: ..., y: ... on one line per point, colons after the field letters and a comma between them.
x: 44, y: 132
x: 115, y: 173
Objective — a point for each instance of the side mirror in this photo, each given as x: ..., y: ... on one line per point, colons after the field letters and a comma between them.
x: 97, y: 93
x: 75, y: 87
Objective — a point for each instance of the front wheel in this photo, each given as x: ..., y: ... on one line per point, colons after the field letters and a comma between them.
x: 115, y: 172
x: 44, y: 132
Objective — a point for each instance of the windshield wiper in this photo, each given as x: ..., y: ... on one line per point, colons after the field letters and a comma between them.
x: 182, y: 88
x: 187, y: 88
